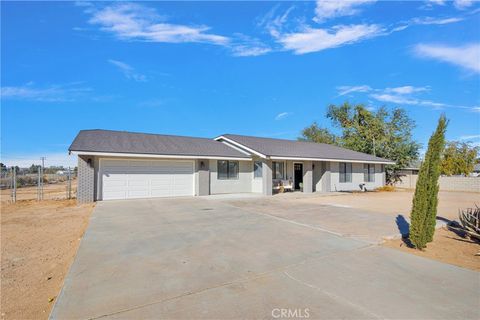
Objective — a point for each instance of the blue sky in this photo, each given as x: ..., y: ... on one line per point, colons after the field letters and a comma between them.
x: 208, y: 68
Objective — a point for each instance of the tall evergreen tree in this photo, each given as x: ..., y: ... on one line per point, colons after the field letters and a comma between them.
x: 425, y: 201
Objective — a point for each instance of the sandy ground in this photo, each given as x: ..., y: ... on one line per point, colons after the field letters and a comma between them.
x: 447, y: 247
x: 400, y: 202
x: 38, y: 241
x: 50, y: 191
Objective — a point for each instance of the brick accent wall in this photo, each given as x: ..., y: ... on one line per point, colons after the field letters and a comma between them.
x: 86, y: 180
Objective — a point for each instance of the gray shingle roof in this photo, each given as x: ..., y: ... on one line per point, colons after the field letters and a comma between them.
x: 300, y: 149
x: 144, y: 143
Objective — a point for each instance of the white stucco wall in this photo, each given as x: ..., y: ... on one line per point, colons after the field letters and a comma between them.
x: 357, y: 178
x: 242, y: 184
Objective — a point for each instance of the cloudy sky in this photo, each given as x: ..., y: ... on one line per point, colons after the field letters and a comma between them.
x: 208, y: 68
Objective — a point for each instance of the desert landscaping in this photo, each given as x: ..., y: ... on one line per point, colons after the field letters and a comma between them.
x: 40, y: 239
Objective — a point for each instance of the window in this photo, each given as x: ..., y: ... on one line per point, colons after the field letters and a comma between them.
x: 227, y: 169
x: 257, y: 169
x: 369, y: 172
x: 345, y: 172
x: 278, y: 170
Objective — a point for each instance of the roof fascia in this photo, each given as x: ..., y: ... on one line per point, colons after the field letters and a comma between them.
x: 331, y: 160
x: 261, y: 155
x: 158, y: 156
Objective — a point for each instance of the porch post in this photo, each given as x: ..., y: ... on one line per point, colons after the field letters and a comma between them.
x: 267, y: 177
x: 308, y: 176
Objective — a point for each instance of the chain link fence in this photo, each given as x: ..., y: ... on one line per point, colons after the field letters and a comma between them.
x: 18, y: 185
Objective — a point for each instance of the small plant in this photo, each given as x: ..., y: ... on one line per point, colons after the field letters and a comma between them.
x: 387, y: 188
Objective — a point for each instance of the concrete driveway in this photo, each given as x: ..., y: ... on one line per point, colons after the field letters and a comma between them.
x: 201, y: 258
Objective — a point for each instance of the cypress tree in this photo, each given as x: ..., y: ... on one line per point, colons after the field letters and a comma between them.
x: 424, y: 209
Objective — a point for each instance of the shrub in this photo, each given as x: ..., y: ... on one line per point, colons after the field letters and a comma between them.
x: 425, y: 200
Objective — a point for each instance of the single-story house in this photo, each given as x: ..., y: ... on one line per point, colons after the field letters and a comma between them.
x: 409, y: 175
x: 126, y: 165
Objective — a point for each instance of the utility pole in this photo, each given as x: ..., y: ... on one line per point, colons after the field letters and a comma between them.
x: 374, y: 147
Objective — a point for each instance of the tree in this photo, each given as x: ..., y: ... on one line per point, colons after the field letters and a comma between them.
x: 458, y: 158
x: 386, y: 134
x: 314, y: 133
x: 33, y: 169
x: 424, y: 209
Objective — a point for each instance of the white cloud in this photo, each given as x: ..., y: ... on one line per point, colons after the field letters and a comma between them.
x: 462, y: 4
x: 245, y: 46
x: 282, y: 115
x: 404, y: 95
x: 132, y: 21
x: 343, y: 90
x: 459, y: 4
x: 313, y: 40
x: 247, y: 51
x: 467, y: 56
x: 437, y: 2
x: 470, y: 137
x: 437, y: 21
x: 407, y: 89
x: 52, y: 159
x: 406, y: 100
x: 328, y: 9
x: 52, y: 93
x: 128, y: 71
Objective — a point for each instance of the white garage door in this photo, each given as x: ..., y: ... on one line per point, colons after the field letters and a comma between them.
x: 130, y: 179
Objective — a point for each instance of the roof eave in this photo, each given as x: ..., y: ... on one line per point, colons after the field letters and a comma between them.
x: 152, y: 155
x: 331, y: 160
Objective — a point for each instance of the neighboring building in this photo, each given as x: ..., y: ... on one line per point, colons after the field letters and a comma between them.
x: 126, y: 165
x: 409, y: 175
x: 476, y: 170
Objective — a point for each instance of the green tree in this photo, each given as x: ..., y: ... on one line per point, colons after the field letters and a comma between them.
x: 314, y: 133
x: 33, y: 169
x: 383, y: 133
x: 425, y: 201
x: 458, y: 158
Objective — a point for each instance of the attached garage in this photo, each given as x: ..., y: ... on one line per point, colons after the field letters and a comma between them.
x: 131, y: 179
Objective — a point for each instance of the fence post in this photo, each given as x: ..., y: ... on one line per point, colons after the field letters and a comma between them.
x: 14, y: 185
x: 41, y: 182
x: 38, y: 183
x: 69, y: 196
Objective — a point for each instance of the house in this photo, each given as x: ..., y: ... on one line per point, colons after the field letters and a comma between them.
x: 125, y: 165
x: 409, y: 175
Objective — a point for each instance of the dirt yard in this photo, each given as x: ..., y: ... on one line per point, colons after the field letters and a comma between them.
x: 447, y: 247
x: 38, y: 241
x: 50, y: 192
x: 400, y: 202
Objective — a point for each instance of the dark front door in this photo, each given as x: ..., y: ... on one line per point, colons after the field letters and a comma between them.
x: 297, y: 175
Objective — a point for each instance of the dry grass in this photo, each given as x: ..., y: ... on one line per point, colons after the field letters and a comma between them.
x: 387, y: 188
x: 39, y: 241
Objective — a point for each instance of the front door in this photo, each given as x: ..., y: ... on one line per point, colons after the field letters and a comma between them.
x: 297, y: 175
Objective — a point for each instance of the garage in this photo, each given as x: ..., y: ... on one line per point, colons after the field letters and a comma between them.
x: 133, y: 179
